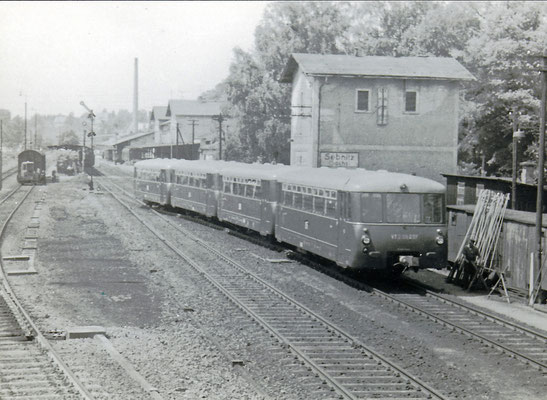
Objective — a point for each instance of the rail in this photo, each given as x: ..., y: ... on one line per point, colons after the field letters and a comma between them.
x: 329, y: 351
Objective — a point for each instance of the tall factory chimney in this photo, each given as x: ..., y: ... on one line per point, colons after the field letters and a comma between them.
x: 136, y: 98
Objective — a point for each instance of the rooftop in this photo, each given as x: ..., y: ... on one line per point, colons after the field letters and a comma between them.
x: 193, y: 108
x: 375, y: 66
x: 158, y: 113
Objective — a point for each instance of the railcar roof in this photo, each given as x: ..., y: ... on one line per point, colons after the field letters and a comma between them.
x: 155, y: 163
x: 201, y: 166
x: 254, y: 171
x: 360, y: 180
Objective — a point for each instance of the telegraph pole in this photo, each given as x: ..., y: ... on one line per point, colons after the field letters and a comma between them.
x: 517, y: 134
x: 25, y: 125
x: 220, y: 118
x: 83, y: 151
x: 193, y: 123
x: 1, y: 140
x: 91, y: 134
x: 541, y: 166
x: 35, y: 130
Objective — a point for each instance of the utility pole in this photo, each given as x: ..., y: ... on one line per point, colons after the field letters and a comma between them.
x: 91, y: 134
x: 35, y: 130
x: 83, y: 152
x: 1, y: 140
x: 193, y: 123
x: 517, y: 134
x: 220, y: 118
x: 541, y: 166
x: 25, y: 125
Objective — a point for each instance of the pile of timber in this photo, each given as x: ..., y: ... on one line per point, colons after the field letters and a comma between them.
x: 485, y: 229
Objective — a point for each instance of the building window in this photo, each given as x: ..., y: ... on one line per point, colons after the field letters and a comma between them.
x: 362, y: 100
x: 411, y: 101
x: 381, y: 109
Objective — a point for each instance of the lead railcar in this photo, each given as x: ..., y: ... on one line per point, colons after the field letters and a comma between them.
x: 364, y: 219
x: 31, y: 167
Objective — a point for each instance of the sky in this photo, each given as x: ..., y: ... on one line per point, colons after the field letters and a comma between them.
x: 55, y: 54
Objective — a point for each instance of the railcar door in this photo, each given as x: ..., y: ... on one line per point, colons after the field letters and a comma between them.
x: 212, y: 194
x: 164, y: 186
x: 346, y: 230
x: 268, y: 202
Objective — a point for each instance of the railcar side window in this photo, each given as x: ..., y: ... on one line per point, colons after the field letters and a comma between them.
x: 403, y: 208
x: 371, y: 207
x: 433, y: 208
x: 307, y: 202
x: 287, y: 199
x: 319, y: 205
x: 331, y: 208
x: 258, y: 191
x: 297, y: 200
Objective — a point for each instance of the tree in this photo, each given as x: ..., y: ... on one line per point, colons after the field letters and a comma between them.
x: 13, y: 132
x: 507, y: 80
x: 69, y: 137
x: 259, y: 104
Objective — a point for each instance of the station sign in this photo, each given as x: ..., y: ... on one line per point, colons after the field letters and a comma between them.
x: 339, y: 159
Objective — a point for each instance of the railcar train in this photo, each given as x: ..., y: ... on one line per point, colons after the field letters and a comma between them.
x: 31, y: 168
x: 359, y: 219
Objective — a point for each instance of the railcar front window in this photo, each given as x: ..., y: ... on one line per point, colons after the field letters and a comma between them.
x: 403, y: 208
x: 433, y: 208
x: 371, y: 207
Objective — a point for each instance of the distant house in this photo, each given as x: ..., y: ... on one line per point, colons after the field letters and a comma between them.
x: 120, y: 146
x: 394, y: 113
x: 160, y: 124
x: 194, y: 121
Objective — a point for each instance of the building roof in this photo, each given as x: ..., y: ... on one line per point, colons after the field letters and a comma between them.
x: 158, y: 113
x: 128, y: 138
x: 193, y: 108
x: 375, y: 66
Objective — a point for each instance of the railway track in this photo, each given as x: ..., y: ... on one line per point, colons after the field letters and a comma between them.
x: 498, y: 333
x: 518, y: 342
x: 347, y: 367
x: 9, y: 172
x: 29, y: 367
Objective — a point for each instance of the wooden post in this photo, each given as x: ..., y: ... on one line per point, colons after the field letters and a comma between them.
x: 541, y: 166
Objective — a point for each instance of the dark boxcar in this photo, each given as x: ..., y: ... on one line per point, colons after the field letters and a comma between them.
x: 31, y: 167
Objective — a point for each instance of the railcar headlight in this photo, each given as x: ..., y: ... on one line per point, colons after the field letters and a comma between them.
x: 365, y: 238
x: 440, y: 240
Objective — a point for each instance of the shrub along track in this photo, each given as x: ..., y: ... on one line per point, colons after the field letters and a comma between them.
x: 29, y: 367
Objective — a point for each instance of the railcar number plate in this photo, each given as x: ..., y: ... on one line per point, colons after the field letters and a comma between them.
x: 404, y: 236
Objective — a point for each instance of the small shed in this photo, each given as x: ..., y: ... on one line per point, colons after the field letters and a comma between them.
x: 465, y: 189
x: 515, y: 245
